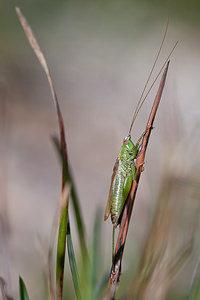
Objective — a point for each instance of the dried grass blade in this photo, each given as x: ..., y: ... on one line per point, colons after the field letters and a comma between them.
x: 157, y: 267
x: 3, y: 290
x: 154, y: 247
x: 116, y: 268
x: 179, y: 260
x: 36, y: 48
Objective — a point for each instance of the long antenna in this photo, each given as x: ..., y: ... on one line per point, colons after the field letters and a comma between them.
x: 139, y: 105
x: 135, y: 115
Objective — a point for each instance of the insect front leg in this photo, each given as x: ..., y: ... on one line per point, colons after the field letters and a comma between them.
x: 138, y: 144
x: 137, y: 147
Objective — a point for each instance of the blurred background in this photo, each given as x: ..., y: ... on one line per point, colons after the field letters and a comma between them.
x: 100, y: 54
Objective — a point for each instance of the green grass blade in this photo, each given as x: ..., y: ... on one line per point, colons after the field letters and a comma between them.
x: 179, y: 260
x: 194, y: 293
x: 62, y: 215
x: 75, y: 200
x: 91, y: 265
x: 96, y: 252
x: 22, y: 289
x: 101, y: 286
x: 61, y: 252
x: 72, y: 263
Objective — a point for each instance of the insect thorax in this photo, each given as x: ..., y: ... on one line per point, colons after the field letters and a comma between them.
x: 126, y: 153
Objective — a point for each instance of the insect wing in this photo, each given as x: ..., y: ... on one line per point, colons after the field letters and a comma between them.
x: 107, y: 211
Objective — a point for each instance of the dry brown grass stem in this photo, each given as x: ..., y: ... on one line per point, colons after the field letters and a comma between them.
x: 38, y: 52
x: 116, y: 267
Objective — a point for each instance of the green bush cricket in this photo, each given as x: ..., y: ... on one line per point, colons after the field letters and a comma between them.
x: 124, y: 171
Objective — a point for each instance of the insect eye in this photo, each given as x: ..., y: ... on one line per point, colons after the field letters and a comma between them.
x: 125, y: 142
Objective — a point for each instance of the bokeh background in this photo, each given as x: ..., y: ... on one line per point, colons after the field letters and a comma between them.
x: 100, y: 54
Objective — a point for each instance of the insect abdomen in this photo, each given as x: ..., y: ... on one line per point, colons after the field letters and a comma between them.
x: 117, y: 197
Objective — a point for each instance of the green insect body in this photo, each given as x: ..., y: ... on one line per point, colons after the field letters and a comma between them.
x: 124, y: 173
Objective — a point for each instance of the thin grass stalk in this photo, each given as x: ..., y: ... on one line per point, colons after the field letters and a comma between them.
x: 3, y: 290
x: 63, y: 223
x: 96, y: 248
x: 75, y: 199
x: 66, y: 173
x: 63, y: 204
x: 23, y: 290
x: 117, y: 260
x: 194, y: 292
x: 64, y: 217
x: 72, y: 263
x: 61, y: 245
